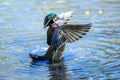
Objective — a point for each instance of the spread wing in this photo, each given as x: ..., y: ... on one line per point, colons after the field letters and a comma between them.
x: 64, y: 18
x: 68, y: 33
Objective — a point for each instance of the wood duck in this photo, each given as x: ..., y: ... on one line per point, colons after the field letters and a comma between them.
x: 59, y: 33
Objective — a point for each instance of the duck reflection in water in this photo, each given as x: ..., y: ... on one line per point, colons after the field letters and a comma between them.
x: 57, y: 70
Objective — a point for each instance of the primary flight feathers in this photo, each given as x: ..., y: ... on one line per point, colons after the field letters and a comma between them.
x: 68, y: 33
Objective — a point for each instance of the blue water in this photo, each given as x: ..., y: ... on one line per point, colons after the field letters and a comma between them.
x: 94, y: 57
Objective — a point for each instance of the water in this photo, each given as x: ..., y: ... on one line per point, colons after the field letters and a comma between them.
x: 94, y: 57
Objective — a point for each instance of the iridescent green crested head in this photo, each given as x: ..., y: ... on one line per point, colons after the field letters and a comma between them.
x: 49, y: 19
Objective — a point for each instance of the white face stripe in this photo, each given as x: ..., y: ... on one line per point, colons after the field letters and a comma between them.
x: 47, y: 22
x: 54, y: 20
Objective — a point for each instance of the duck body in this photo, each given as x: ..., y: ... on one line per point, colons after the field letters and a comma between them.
x: 51, y: 50
x: 58, y: 34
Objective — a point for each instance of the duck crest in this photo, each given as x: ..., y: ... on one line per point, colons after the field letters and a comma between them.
x: 48, y: 19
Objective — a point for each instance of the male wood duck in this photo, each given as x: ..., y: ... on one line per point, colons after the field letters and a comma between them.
x: 58, y: 34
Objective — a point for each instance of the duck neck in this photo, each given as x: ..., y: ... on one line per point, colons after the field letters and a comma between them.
x: 54, y: 26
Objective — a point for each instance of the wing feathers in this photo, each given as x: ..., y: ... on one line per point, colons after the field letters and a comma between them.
x: 68, y: 33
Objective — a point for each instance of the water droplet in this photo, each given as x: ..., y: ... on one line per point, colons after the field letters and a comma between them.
x: 87, y: 12
x: 100, y: 12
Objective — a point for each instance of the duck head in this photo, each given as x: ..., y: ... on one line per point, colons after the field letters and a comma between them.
x: 50, y: 19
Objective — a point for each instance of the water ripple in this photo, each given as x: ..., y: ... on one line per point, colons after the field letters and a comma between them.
x: 21, y: 29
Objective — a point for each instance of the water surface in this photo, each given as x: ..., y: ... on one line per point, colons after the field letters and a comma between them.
x: 94, y: 57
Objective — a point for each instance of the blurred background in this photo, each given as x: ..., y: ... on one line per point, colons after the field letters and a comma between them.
x: 94, y: 57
